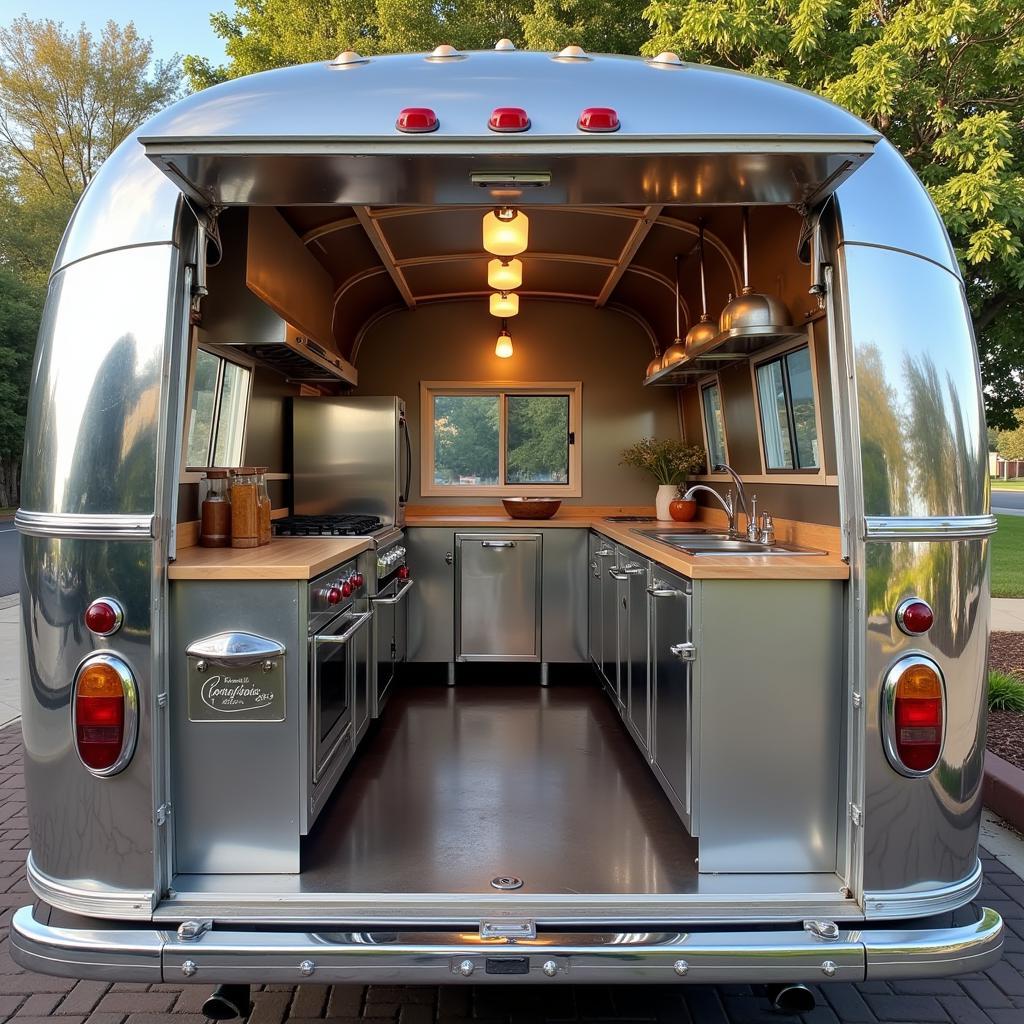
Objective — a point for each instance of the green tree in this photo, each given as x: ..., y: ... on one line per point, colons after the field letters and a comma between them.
x: 1010, y: 443
x: 944, y: 80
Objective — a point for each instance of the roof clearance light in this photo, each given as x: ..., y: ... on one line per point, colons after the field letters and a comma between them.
x: 506, y: 232
x: 414, y: 120
x: 666, y: 59
x: 914, y: 616
x: 508, y: 119
x: 503, y: 346
x: 598, y: 119
x: 504, y: 44
x: 504, y: 275
x: 504, y: 304
x: 913, y: 713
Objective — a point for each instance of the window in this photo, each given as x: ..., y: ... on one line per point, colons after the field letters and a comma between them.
x: 500, y: 439
x: 714, y: 424
x: 216, y: 418
x: 785, y: 398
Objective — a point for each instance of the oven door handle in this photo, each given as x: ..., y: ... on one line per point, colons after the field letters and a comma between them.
x: 400, y: 596
x: 340, y: 639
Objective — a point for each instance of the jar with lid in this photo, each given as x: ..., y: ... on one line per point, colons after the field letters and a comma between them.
x: 215, y: 510
x: 245, y: 508
x: 264, y: 504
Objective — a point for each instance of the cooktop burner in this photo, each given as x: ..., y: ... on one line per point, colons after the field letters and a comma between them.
x: 327, y: 526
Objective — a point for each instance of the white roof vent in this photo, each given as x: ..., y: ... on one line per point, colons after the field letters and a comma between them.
x: 445, y: 52
x: 504, y: 44
x: 667, y: 59
x: 572, y: 53
x: 347, y: 58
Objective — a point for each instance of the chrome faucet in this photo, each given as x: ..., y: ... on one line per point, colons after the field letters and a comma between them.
x: 726, y: 503
x: 741, y: 491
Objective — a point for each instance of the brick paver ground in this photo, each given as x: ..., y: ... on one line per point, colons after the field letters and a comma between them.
x: 995, y: 997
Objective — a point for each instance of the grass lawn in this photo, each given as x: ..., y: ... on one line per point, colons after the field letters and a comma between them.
x: 1008, y: 557
x: 1008, y: 485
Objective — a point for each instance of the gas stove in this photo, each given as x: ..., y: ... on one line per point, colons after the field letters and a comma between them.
x: 328, y: 526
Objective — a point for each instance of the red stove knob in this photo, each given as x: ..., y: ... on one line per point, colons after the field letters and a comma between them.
x: 357, y: 580
x: 334, y: 595
x: 346, y: 588
x: 403, y: 572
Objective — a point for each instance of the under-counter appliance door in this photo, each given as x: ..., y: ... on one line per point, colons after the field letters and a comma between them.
x: 669, y: 610
x: 498, y: 597
x: 346, y: 456
x: 638, y: 571
x: 405, y: 463
x: 391, y: 630
x: 609, y: 619
x: 595, y: 570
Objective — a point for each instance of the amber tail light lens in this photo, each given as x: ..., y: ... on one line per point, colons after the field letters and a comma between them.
x: 105, y: 707
x: 913, y: 715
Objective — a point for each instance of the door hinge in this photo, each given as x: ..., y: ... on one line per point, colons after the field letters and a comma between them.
x: 856, y: 699
x: 855, y: 815
x: 510, y: 928
x: 161, y: 700
x: 163, y: 812
x: 684, y: 652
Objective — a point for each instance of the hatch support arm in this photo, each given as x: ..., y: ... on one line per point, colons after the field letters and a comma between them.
x: 387, y: 257
x: 629, y: 250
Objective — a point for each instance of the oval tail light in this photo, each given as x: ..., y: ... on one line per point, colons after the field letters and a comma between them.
x: 105, y: 709
x: 913, y: 715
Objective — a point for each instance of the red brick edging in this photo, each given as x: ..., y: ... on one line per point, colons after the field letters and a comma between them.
x: 1003, y: 789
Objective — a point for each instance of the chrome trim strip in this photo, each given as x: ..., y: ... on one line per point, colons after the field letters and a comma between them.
x: 86, y: 526
x: 94, y: 901
x: 793, y: 955
x: 928, y: 527
x: 883, y: 904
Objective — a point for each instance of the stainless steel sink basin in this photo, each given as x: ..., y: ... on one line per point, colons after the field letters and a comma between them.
x: 723, y: 544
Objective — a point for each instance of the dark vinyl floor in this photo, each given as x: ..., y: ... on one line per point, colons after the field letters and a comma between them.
x: 456, y: 786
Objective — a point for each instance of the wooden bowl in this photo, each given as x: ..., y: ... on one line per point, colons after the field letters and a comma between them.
x: 531, y: 508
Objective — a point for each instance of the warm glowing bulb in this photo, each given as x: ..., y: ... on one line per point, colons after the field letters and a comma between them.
x: 506, y: 232
x: 504, y: 304
x: 503, y: 346
x: 504, y: 275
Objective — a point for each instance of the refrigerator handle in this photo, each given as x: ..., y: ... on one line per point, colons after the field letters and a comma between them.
x: 403, y: 498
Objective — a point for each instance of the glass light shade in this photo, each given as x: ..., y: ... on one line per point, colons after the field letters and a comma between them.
x: 504, y: 304
x: 503, y: 346
x: 504, y: 275
x: 506, y: 232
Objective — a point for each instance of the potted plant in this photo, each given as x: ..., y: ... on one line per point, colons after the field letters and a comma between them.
x: 669, y: 462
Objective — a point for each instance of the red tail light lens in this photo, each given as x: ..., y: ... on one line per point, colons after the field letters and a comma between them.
x: 416, y: 119
x: 104, y: 616
x: 913, y: 715
x: 598, y: 119
x: 914, y: 616
x: 508, y: 119
x: 106, y: 713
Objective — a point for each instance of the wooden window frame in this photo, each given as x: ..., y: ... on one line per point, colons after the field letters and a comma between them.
x: 573, y: 390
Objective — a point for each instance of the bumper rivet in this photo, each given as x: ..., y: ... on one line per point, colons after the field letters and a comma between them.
x: 189, y: 967
x: 307, y: 967
x: 681, y: 967
x: 550, y: 968
x: 829, y: 968
x: 466, y: 968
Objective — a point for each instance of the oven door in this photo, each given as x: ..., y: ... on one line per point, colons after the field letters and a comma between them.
x: 391, y: 640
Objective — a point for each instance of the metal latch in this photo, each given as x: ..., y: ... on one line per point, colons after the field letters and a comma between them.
x: 163, y: 812
x: 826, y: 930
x: 684, y: 652
x: 510, y: 928
x: 192, y: 931
x: 855, y: 815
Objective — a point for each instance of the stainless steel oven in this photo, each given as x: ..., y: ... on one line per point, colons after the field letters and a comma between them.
x: 339, y: 673
x: 391, y: 618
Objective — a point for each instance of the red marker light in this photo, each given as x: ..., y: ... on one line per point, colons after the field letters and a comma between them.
x: 598, y: 119
x: 508, y: 119
x: 914, y: 616
x: 414, y: 120
x: 104, y: 616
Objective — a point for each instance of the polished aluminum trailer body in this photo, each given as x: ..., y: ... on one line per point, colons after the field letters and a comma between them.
x: 101, y: 471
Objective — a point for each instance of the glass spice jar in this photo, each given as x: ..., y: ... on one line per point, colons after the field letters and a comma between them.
x: 264, y: 504
x: 245, y: 508
x: 215, y: 511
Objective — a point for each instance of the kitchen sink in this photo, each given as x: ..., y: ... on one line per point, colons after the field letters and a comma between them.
x: 723, y: 544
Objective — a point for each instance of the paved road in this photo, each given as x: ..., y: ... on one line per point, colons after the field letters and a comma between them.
x: 995, y: 997
x: 1009, y: 500
x: 8, y: 559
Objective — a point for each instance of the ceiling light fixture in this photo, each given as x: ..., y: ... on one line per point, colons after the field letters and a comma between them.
x: 504, y: 275
x: 506, y: 231
x: 503, y: 346
x: 504, y: 304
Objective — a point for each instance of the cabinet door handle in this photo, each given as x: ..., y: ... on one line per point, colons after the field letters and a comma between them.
x: 604, y: 553
x: 498, y: 543
x: 616, y: 575
x: 684, y: 652
x: 660, y: 590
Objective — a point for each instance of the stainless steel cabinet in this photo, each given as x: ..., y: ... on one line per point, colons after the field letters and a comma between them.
x: 609, y: 620
x: 595, y: 573
x: 637, y: 686
x: 671, y: 662
x: 498, y: 597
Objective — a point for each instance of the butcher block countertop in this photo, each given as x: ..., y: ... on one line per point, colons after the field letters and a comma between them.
x: 284, y: 558
x: 829, y: 566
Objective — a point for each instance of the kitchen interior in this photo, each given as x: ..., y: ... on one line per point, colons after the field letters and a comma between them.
x: 412, y: 664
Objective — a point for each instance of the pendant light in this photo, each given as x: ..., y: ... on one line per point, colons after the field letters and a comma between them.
x: 503, y: 346
x: 677, y: 350
x: 705, y: 329
x: 506, y: 231
x: 504, y: 275
x: 652, y: 367
x: 504, y: 304
x: 751, y: 312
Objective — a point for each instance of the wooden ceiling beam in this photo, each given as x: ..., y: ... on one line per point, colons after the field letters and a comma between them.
x: 384, y: 253
x: 636, y: 238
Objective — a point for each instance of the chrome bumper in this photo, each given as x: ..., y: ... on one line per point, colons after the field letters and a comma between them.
x: 282, y: 957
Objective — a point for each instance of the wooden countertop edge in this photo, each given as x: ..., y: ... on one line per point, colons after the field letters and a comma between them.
x: 284, y: 558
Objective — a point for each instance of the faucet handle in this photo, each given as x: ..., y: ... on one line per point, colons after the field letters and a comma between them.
x: 752, y: 531
x: 767, y: 528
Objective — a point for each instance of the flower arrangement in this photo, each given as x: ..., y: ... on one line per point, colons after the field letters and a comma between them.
x: 668, y: 461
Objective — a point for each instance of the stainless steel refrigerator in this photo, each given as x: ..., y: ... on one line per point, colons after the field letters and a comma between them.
x: 351, y: 455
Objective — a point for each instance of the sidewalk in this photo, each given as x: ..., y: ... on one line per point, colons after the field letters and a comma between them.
x: 10, y: 659
x: 1008, y: 614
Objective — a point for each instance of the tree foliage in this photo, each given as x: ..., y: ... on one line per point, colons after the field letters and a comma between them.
x: 1010, y: 443
x: 944, y: 81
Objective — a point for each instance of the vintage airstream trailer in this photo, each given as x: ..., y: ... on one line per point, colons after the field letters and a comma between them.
x: 617, y: 749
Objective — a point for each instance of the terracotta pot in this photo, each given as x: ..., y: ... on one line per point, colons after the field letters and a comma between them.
x: 681, y: 510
